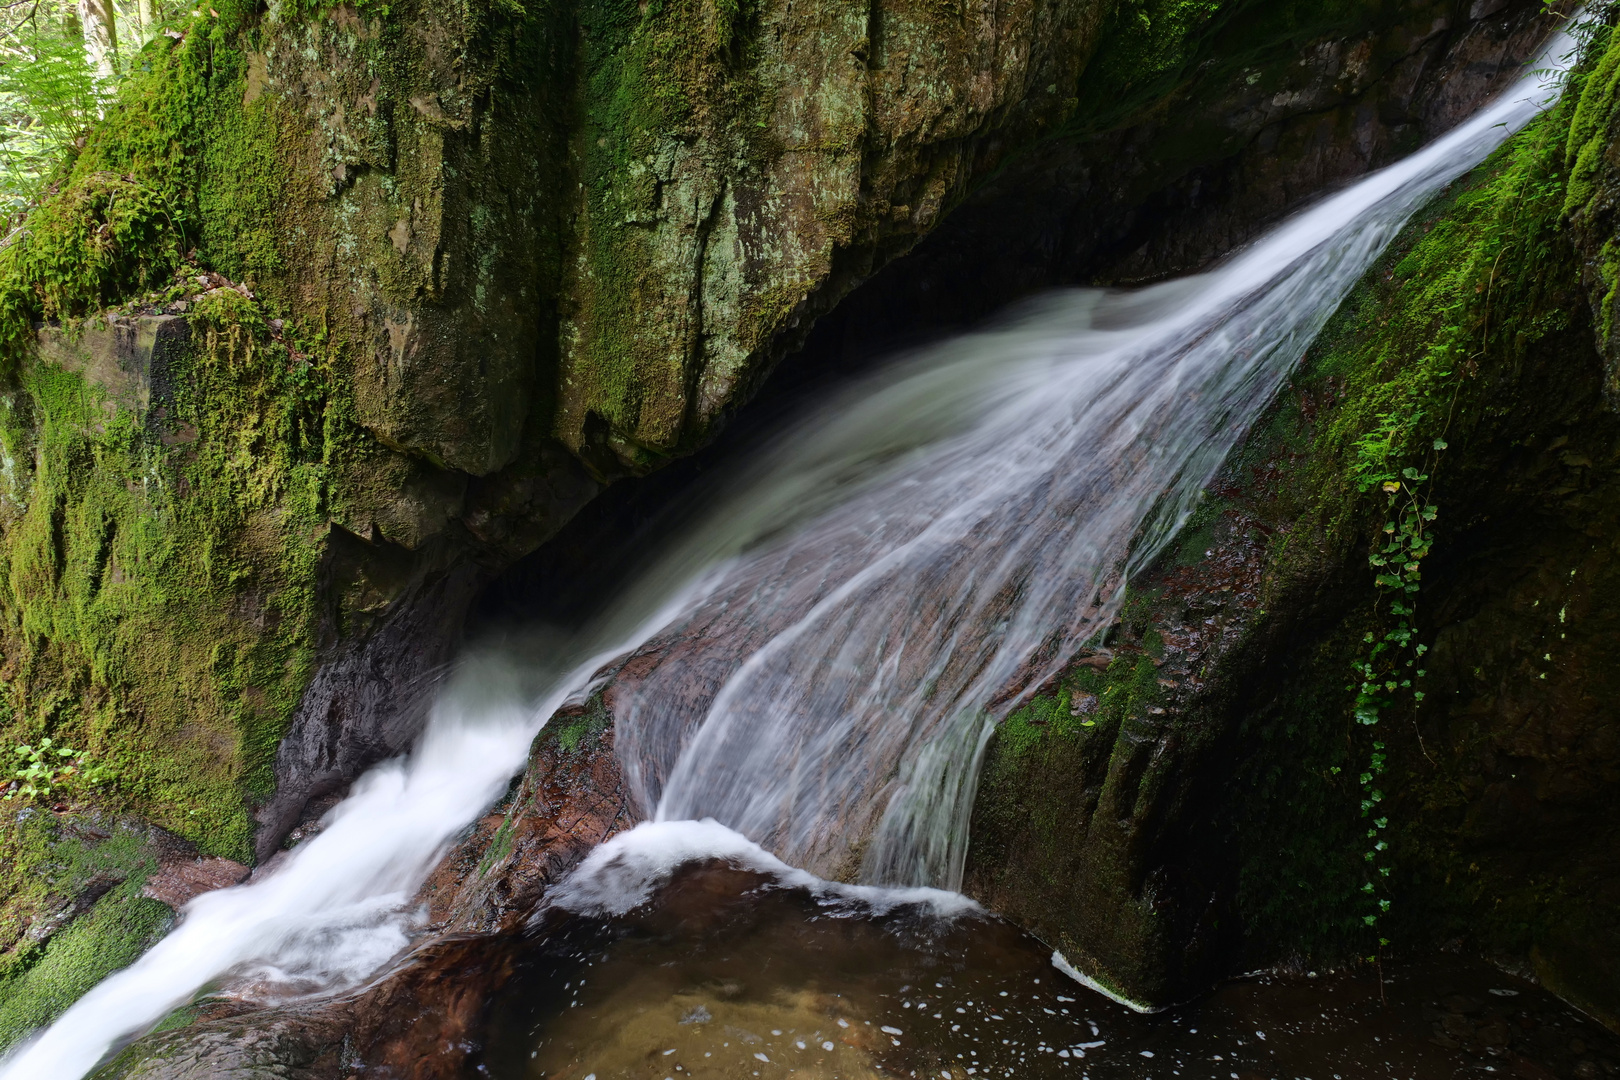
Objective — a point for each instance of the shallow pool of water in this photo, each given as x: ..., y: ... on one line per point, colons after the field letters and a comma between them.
x: 728, y: 973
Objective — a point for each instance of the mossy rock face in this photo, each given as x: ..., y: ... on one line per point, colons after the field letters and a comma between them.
x: 401, y: 177
x: 77, y: 907
x: 1198, y: 127
x: 742, y: 166
x: 1590, y: 201
x: 1268, y: 817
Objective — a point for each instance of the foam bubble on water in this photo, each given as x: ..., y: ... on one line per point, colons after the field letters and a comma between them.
x: 1061, y: 962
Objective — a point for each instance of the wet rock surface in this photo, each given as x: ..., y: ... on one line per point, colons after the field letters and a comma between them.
x: 178, y: 881
x: 571, y: 798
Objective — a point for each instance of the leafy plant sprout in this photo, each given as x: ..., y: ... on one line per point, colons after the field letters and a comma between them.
x: 42, y: 768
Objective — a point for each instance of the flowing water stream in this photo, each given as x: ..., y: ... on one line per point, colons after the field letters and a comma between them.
x: 821, y: 660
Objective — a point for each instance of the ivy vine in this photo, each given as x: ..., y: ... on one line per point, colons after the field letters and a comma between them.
x: 1389, y: 665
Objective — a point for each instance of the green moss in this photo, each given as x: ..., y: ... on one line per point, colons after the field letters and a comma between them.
x: 1147, y: 50
x: 138, y: 551
x: 1484, y: 276
x: 1058, y: 734
x: 664, y: 78
x: 1153, y: 51
x: 51, y: 866
x: 158, y: 570
x: 572, y: 733
x: 104, y: 236
x: 1432, y: 345
x: 115, y: 932
x: 1591, y: 125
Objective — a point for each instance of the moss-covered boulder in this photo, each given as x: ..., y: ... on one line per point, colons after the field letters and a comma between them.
x: 1367, y: 705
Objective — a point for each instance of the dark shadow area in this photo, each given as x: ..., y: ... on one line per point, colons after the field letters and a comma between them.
x: 569, y: 578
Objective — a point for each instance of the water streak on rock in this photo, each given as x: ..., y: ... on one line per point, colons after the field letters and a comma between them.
x: 829, y: 693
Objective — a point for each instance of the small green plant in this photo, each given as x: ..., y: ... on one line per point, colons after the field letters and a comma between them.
x: 61, y: 64
x: 43, y: 768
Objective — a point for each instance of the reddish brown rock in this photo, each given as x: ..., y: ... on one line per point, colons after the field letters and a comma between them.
x: 572, y: 798
x: 177, y: 881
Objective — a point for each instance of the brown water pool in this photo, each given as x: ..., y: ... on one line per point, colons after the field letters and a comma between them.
x: 726, y: 973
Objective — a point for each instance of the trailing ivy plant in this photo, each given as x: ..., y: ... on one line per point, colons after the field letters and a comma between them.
x: 1389, y: 664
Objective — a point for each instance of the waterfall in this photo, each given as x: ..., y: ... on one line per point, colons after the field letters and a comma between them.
x: 819, y: 663
x: 829, y: 693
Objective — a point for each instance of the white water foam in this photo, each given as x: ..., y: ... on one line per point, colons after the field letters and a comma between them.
x: 1062, y: 963
x: 853, y: 713
x: 624, y: 873
x: 329, y: 918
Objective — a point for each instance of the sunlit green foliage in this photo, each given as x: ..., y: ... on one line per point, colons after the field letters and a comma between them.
x: 53, y: 89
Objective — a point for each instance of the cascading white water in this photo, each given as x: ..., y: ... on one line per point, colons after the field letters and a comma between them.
x: 824, y: 654
x: 830, y: 693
